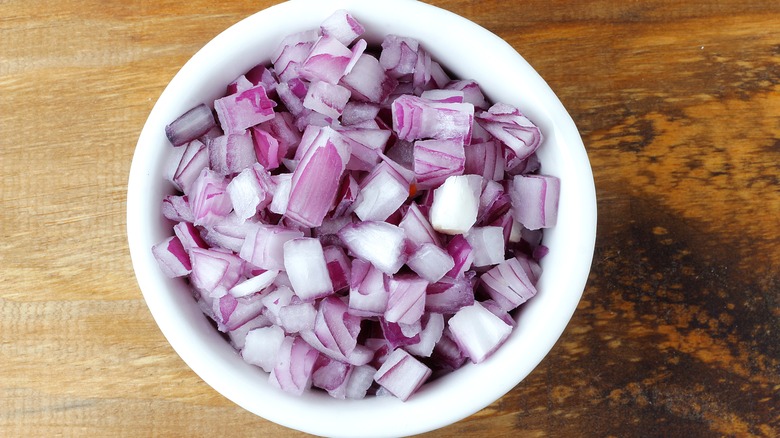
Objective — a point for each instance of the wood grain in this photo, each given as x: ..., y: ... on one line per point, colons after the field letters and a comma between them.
x: 678, y: 104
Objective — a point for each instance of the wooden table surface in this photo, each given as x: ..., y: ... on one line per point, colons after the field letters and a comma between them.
x: 678, y: 104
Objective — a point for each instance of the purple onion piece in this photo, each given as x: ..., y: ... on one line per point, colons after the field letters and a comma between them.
x: 535, y: 200
x: 478, y: 331
x: 402, y: 374
x: 190, y: 125
x: 172, y: 257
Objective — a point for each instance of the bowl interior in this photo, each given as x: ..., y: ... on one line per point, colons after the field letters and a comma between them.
x: 471, y: 52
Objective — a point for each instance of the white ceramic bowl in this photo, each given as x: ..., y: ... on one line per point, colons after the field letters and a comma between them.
x: 469, y: 51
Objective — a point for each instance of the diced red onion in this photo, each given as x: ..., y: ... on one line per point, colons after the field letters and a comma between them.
x: 264, y: 246
x: 238, y: 336
x: 431, y: 262
x: 367, y: 293
x: 478, y: 332
x: 327, y: 61
x: 331, y: 375
x: 359, y: 381
x: 262, y: 345
x: 172, y: 257
x: 250, y: 191
x: 304, y: 262
x: 254, y: 284
x: 535, y: 200
x: 399, y: 55
x: 239, y: 311
x: 295, y: 318
x: 294, y: 366
x: 368, y: 81
x: 455, y: 204
x: 213, y: 268
x: 432, y: 329
x: 436, y: 160
x: 508, y: 284
x: 402, y: 374
x: 188, y: 235
x: 191, y: 163
x: 449, y: 295
x: 237, y: 112
x: 447, y: 354
x: 177, y: 208
x: 510, y: 126
x: 294, y: 226
x: 485, y: 159
x: 382, y: 192
x: 339, y: 267
x: 416, y: 118
x: 316, y: 179
x: 379, y: 243
x: 209, y: 199
x: 394, y: 335
x: 342, y: 26
x: 487, y: 245
x: 276, y: 300
x: 358, y: 112
x: 406, y: 299
x: 190, y: 125
x: 327, y: 99
x: 462, y: 254
x: 417, y: 228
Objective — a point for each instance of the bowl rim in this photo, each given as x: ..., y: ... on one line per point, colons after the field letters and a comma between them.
x: 330, y: 417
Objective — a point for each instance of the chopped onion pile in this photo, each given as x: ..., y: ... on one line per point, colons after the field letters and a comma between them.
x: 354, y: 219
